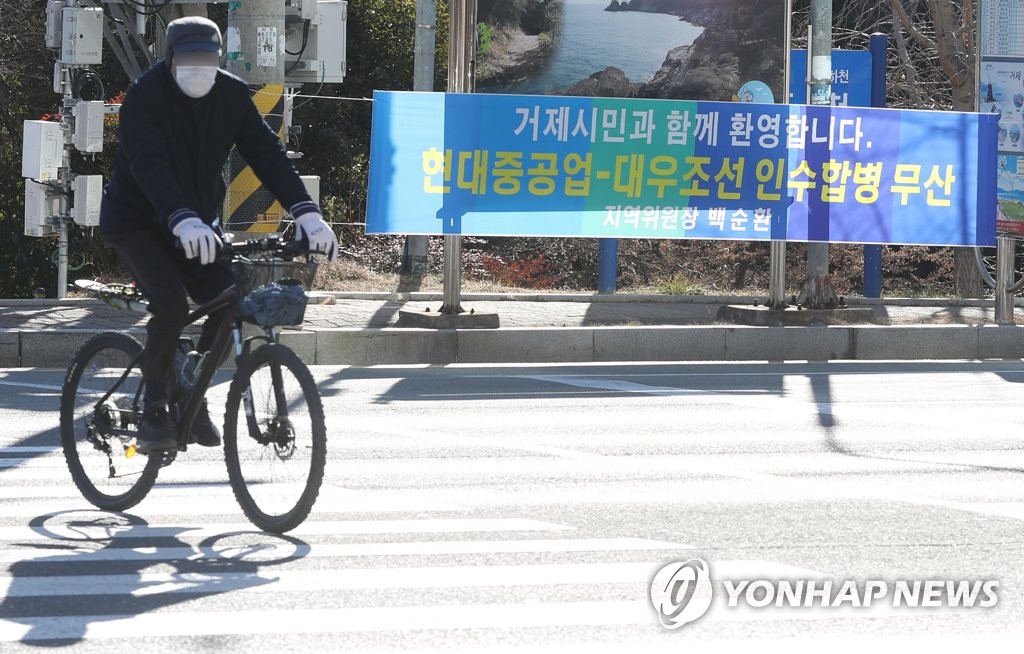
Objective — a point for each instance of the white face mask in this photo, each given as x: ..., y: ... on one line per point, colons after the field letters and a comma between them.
x: 195, y: 81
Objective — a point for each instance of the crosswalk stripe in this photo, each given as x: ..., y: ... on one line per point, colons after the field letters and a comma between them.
x: 338, y: 527
x: 669, y: 644
x: 533, y: 466
x: 42, y: 387
x: 206, y: 490
x: 397, y: 618
x: 221, y: 502
x: 313, y: 621
x: 55, y: 470
x: 402, y: 548
x: 285, y: 581
x: 68, y: 490
x: 52, y: 459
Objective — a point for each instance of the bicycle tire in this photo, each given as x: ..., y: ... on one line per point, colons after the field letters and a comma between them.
x: 275, y: 457
x: 103, y: 465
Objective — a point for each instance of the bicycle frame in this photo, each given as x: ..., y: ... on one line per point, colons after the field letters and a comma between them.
x: 228, y: 332
x: 218, y: 350
x: 275, y: 453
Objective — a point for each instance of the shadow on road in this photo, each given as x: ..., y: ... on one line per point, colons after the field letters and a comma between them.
x: 821, y: 391
x: 81, y: 544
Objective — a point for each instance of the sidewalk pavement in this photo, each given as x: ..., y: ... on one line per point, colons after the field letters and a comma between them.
x: 355, y: 328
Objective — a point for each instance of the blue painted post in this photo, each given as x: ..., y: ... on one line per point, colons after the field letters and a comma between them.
x: 607, y: 264
x: 873, y: 253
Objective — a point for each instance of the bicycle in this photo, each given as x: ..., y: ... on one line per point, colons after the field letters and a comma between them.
x: 275, y: 439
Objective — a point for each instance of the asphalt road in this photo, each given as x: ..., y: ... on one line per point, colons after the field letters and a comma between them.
x: 471, y: 508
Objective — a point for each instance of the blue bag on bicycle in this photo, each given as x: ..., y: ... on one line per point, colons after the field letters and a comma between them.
x: 273, y: 304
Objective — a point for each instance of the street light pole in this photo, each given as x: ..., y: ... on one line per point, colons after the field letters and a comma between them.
x: 818, y: 292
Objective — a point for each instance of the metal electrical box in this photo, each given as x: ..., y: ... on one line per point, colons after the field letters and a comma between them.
x: 41, y: 204
x: 88, y: 136
x: 42, y: 149
x: 322, y: 59
x: 88, y: 196
x: 53, y: 23
x: 82, y: 35
x: 306, y: 9
x: 312, y: 184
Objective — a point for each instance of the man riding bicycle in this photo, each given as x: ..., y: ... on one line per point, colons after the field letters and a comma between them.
x: 178, y: 123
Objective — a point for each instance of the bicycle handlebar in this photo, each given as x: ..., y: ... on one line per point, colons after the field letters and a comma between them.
x: 269, y: 245
x: 273, y: 244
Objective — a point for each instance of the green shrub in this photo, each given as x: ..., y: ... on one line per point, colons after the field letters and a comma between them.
x: 484, y: 37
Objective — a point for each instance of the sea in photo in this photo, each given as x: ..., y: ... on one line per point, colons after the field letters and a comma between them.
x: 592, y: 39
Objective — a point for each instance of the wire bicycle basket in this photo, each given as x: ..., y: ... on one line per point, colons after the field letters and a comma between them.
x: 252, y: 273
x: 273, y: 290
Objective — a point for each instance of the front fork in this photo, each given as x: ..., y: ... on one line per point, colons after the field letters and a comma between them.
x: 243, y: 346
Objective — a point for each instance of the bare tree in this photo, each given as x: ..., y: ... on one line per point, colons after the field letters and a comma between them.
x: 24, y: 61
x: 945, y: 32
x: 931, y: 65
x: 931, y: 61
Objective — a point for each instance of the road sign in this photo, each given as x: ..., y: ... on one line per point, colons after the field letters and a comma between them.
x: 851, y: 77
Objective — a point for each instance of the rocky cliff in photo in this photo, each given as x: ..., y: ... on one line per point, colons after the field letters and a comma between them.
x: 516, y: 38
x: 743, y: 40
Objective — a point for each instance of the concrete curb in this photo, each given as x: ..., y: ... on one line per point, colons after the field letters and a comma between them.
x: 613, y: 298
x: 639, y: 298
x: 54, y: 348
x: 628, y: 298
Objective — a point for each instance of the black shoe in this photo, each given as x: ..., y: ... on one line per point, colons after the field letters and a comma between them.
x: 156, y: 432
x: 205, y: 431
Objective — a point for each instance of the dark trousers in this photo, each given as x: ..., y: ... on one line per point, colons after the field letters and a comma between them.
x: 164, y: 274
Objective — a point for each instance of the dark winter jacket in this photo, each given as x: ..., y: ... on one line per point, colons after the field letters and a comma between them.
x: 173, y: 149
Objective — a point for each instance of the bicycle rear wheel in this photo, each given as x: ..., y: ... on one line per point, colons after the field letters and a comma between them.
x: 99, y: 417
x: 275, y: 440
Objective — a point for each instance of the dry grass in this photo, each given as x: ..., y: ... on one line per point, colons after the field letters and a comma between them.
x: 347, y: 275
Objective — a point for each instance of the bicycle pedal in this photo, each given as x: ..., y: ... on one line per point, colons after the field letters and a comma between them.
x: 166, y: 457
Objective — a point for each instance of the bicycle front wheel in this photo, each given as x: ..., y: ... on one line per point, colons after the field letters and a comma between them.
x: 275, y: 440
x: 99, y: 418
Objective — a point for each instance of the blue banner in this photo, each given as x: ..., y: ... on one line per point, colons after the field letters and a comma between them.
x: 505, y: 165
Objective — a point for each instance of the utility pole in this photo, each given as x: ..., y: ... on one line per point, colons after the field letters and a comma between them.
x: 461, y: 78
x: 254, y: 41
x: 818, y: 292
x: 777, y: 248
x: 414, y: 260
x: 255, y: 49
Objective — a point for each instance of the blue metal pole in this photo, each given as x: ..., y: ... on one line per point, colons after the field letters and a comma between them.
x: 607, y: 264
x: 873, y: 253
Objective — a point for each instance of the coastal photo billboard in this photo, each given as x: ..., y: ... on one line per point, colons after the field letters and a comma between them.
x: 717, y: 50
